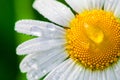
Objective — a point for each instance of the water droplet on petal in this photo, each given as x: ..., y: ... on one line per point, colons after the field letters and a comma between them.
x: 44, y: 71
x: 51, y: 27
x: 36, y: 31
x: 25, y: 67
x: 33, y: 64
x: 33, y: 76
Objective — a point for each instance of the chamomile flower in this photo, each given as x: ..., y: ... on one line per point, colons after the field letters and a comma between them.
x: 84, y: 45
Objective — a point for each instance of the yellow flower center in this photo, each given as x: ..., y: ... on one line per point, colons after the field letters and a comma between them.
x: 94, y: 39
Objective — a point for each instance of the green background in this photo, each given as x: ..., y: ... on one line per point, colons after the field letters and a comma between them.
x: 10, y: 12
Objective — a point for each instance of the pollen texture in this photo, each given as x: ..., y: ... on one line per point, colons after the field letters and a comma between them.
x: 93, y: 39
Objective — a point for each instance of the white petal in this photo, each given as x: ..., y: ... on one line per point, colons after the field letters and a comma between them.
x: 97, y: 4
x: 103, y: 77
x: 54, y: 11
x: 74, y: 74
x: 39, y: 45
x: 46, y: 66
x: 58, y: 71
x: 81, y: 5
x: 113, y: 6
x: 78, y: 5
x: 93, y: 76
x: 87, y: 75
x: 66, y: 72
x: 39, y: 28
x: 35, y: 60
x: 99, y: 75
x: 82, y: 73
x: 117, y: 70
x: 110, y: 74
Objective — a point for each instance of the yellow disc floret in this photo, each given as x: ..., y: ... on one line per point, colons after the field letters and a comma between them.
x: 93, y: 39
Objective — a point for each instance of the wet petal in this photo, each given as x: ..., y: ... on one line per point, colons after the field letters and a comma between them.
x: 39, y: 28
x: 54, y: 11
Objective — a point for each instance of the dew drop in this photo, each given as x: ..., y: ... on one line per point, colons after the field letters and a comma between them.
x: 36, y: 31
x: 51, y: 27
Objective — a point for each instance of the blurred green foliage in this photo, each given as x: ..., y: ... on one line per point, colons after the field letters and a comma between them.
x: 8, y: 59
x: 10, y: 12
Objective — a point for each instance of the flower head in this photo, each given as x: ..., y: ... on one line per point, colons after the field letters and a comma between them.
x: 85, y: 47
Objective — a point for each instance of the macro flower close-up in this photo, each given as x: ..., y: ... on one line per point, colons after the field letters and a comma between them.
x: 81, y: 41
